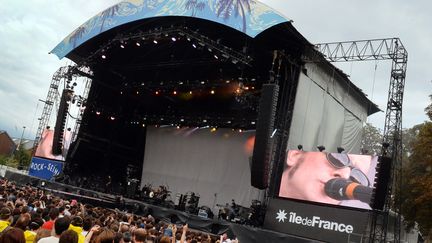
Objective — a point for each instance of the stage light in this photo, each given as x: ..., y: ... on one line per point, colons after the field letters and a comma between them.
x: 143, y: 125
x: 189, y: 39
x: 137, y: 43
x: 180, y: 82
x: 190, y: 92
x: 209, y: 49
x: 227, y: 81
x: 321, y: 148
x: 121, y: 92
x: 122, y: 46
x: 178, y: 127
x: 202, y: 82
x: 213, y: 129
x: 155, y: 41
x: 204, y: 120
x: 234, y: 61
x: 340, y: 149
x: 98, y: 113
x: 215, y: 56
x: 157, y: 92
x: 182, y: 120
x: 173, y: 39
x: 300, y: 147
x: 240, y: 130
x: 174, y: 92
x: 137, y: 92
x: 252, y: 122
x: 194, y: 46
x: 112, y: 118
x: 212, y: 92
x: 103, y: 57
x: 246, y: 88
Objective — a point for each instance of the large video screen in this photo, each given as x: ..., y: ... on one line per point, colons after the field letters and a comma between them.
x: 44, y: 147
x: 331, y: 178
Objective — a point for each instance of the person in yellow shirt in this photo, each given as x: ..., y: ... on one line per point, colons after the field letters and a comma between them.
x: 76, y: 225
x: 5, y: 218
x: 30, y: 234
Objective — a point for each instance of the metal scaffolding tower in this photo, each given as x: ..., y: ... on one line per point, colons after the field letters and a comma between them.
x: 381, y: 49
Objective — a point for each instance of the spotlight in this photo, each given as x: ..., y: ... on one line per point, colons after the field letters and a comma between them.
x: 174, y: 92
x: 173, y: 39
x: 157, y: 92
x: 178, y: 127
x: 189, y: 39
x: 215, y: 56
x: 213, y: 129
x: 98, y: 113
x: 190, y: 92
x: 194, y: 46
x: 122, y: 46
x: 112, y: 118
x: 103, y: 57
x: 212, y: 92
x: 340, y: 149
x: 300, y: 147
x: 321, y: 148
x: 227, y: 81
x: 240, y: 130
x: 155, y: 41
x: 137, y: 43
x: 209, y: 49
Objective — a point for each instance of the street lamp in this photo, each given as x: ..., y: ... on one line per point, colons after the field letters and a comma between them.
x: 22, y: 135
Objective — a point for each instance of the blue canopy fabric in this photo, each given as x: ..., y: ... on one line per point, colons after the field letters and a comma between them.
x: 248, y: 16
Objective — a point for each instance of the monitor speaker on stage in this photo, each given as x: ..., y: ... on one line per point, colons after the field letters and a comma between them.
x: 260, y: 166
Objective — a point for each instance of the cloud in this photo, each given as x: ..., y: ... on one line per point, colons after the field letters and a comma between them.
x: 338, y: 20
x: 29, y: 30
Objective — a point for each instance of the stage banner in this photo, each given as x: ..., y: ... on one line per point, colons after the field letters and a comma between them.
x: 329, y: 224
x: 45, y: 168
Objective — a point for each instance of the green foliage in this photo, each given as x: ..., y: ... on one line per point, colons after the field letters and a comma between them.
x: 417, y: 177
x: 372, y: 138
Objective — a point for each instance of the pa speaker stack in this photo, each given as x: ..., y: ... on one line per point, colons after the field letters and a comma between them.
x: 61, y: 121
x: 260, y: 166
x: 382, y: 175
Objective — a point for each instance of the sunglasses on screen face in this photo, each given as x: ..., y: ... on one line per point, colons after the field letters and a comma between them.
x: 340, y: 161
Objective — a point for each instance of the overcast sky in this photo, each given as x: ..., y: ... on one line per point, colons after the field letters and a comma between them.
x: 30, y: 29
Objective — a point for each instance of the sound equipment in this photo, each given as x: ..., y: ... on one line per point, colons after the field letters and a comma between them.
x: 261, y: 158
x: 381, y: 185
x: 61, y: 121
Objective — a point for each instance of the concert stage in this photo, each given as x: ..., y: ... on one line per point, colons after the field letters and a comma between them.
x: 201, y: 97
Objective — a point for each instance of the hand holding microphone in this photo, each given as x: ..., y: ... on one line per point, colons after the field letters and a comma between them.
x: 343, y: 189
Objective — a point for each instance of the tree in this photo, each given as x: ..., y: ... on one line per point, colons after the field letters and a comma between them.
x: 372, y: 139
x: 417, y: 178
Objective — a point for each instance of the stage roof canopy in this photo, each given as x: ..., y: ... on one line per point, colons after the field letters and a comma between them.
x: 247, y: 16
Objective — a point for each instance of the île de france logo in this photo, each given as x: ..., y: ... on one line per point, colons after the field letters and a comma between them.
x: 281, y: 215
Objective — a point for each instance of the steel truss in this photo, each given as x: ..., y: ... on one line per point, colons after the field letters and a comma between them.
x: 176, y: 31
x: 63, y: 74
x: 380, y: 49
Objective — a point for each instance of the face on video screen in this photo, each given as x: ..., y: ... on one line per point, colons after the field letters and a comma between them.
x: 44, y: 148
x: 332, y: 178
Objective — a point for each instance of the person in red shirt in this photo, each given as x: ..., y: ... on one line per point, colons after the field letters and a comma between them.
x: 53, y: 214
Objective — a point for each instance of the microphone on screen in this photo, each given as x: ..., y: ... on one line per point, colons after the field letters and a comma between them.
x: 343, y: 189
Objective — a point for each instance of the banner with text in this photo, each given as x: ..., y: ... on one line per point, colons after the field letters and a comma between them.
x: 45, y: 168
x: 316, y: 222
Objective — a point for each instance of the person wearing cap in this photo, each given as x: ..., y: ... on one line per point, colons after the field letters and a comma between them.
x: 5, y: 218
x: 60, y: 225
x: 76, y: 225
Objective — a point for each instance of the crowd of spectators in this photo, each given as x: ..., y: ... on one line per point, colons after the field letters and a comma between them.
x: 29, y: 215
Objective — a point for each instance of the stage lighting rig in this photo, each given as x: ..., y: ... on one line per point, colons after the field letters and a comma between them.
x: 213, y: 46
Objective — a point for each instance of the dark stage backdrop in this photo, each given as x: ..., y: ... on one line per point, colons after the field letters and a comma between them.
x: 214, y: 165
